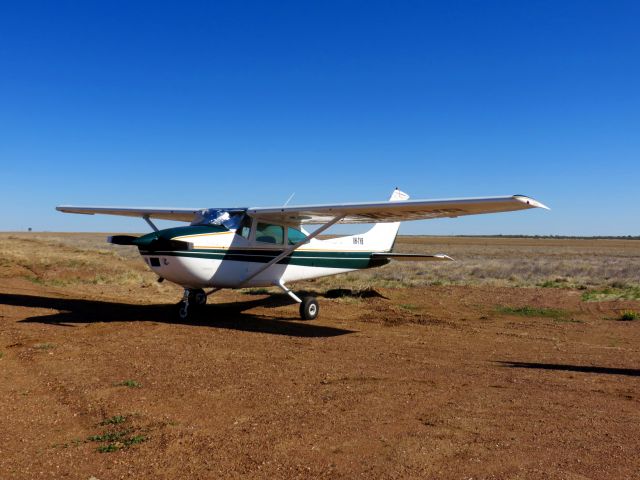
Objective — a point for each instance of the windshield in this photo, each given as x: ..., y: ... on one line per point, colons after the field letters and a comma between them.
x: 213, y: 216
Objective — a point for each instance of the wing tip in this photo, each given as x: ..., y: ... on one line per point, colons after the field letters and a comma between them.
x: 71, y: 209
x: 531, y: 202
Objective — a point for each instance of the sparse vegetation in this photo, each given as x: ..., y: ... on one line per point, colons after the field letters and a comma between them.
x: 111, y: 447
x: 68, y: 260
x: 528, y: 311
x: 509, y: 262
x: 44, y: 346
x: 537, y: 324
x: 135, y: 440
x: 256, y: 291
x: 111, y: 440
x: 115, y: 420
x: 561, y: 283
x: 118, y: 439
x: 409, y: 306
x: 629, y: 315
x: 117, y: 442
x: 129, y: 383
x: 109, y: 436
x: 618, y: 292
x: 60, y: 260
x: 114, y: 446
x: 567, y: 320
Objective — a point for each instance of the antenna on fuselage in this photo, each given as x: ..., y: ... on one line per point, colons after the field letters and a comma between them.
x: 289, y: 199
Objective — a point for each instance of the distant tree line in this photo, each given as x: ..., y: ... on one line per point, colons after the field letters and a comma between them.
x: 558, y: 237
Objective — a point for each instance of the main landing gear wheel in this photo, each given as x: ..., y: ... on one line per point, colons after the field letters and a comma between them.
x: 197, y: 298
x: 192, y: 301
x: 309, y: 308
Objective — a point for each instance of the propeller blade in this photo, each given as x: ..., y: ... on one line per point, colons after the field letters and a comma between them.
x: 122, y: 239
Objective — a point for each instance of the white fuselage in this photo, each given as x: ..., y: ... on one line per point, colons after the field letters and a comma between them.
x: 225, y: 260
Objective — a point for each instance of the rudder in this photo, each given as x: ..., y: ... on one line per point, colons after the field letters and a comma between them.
x: 383, y: 235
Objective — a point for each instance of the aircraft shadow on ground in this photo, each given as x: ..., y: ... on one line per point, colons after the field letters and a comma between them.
x: 631, y: 372
x: 333, y: 293
x: 222, y: 315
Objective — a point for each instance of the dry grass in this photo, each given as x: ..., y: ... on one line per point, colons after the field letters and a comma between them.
x: 66, y: 260
x: 604, y: 269
x: 518, y: 262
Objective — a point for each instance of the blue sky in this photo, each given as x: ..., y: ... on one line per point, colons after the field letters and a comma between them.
x: 243, y: 103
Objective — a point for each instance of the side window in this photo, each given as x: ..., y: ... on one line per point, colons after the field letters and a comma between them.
x: 245, y: 228
x: 294, y: 236
x: 267, y: 233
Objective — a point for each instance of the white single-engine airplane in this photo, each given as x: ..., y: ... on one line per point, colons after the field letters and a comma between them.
x: 259, y: 247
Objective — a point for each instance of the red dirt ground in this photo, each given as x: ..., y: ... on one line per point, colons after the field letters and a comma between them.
x: 430, y: 382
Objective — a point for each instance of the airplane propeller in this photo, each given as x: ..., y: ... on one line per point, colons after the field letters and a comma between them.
x: 150, y: 242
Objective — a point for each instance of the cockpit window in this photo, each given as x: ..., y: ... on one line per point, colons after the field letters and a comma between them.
x: 244, y: 229
x: 268, y: 233
x: 294, y: 236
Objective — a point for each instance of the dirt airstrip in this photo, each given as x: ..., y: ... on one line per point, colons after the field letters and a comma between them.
x: 439, y: 381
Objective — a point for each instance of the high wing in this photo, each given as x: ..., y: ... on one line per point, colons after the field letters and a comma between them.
x: 371, y: 212
x: 394, y: 211
x: 177, y: 214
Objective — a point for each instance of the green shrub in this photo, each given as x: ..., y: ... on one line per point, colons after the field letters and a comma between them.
x: 629, y: 315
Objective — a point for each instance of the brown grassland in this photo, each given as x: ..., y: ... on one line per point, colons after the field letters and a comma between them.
x: 521, y: 360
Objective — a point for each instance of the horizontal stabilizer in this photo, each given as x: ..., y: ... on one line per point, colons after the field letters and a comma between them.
x: 414, y: 257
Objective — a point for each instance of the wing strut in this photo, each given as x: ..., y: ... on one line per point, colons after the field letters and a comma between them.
x: 151, y: 224
x: 290, y: 249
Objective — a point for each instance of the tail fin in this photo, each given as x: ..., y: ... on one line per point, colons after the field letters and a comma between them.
x: 383, y: 235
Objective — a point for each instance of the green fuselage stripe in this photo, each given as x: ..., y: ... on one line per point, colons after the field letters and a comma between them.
x: 349, y: 260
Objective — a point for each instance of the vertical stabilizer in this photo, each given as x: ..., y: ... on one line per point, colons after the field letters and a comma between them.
x: 383, y: 235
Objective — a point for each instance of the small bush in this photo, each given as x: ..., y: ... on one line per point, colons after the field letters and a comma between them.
x: 135, y: 440
x: 629, y: 315
x: 112, y: 447
x: 113, y: 441
x: 115, y: 420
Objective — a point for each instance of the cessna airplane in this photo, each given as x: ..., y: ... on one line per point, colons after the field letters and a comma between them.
x: 259, y: 247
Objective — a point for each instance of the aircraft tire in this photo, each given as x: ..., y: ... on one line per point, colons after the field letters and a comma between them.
x: 198, y: 298
x: 309, y: 308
